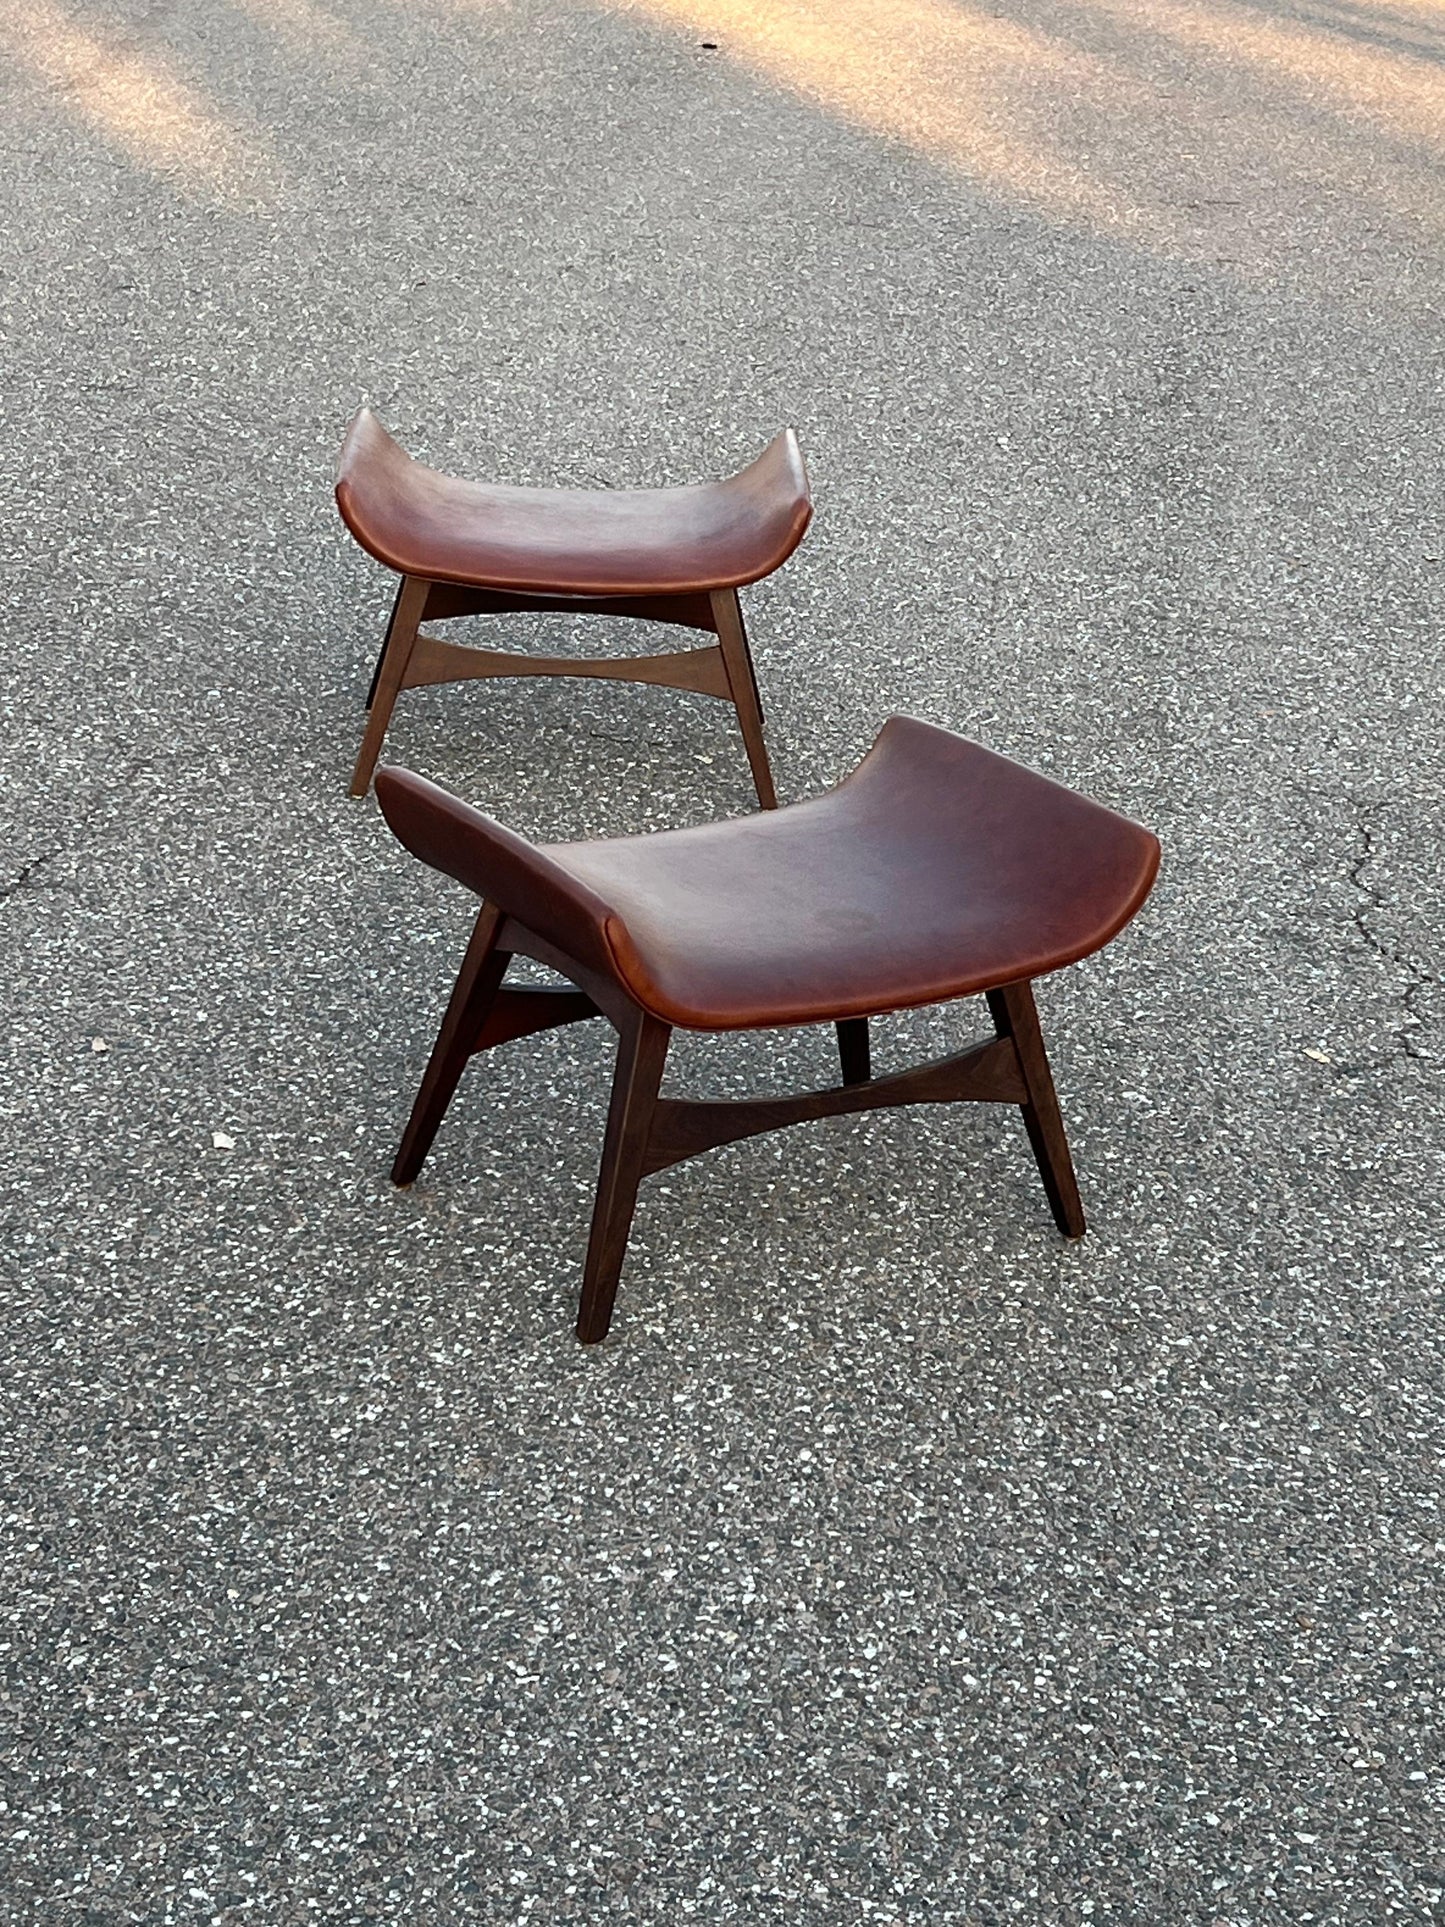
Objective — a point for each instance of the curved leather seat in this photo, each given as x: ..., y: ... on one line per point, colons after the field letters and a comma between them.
x: 937, y: 869
x: 571, y: 542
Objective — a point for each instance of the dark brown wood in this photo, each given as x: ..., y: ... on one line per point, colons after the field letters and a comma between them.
x: 641, y: 1055
x: 743, y: 683
x: 853, y: 1050
x: 450, y: 599
x: 520, y: 1010
x: 682, y: 1128
x: 434, y: 661
x: 413, y: 659
x: 390, y: 676
x: 608, y: 996
x: 386, y: 642
x: 1016, y: 1016
x: 478, y: 980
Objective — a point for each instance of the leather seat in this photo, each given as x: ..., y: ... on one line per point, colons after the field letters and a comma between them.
x: 937, y: 869
x: 571, y: 542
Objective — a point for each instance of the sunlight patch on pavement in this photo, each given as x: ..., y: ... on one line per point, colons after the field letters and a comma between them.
x: 957, y: 85
x: 134, y: 100
x: 1400, y: 86
x: 1130, y: 116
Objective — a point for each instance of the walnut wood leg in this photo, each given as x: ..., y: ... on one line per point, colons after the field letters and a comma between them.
x: 742, y: 681
x: 1014, y: 1015
x: 385, y: 642
x: 641, y: 1054
x: 401, y: 638
x: 853, y: 1050
x: 478, y: 981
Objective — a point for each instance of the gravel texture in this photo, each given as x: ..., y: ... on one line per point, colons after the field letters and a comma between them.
x: 892, y: 1562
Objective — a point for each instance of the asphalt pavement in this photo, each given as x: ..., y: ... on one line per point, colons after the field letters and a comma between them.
x: 892, y: 1562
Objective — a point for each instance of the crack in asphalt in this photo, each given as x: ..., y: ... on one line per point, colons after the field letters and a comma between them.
x: 28, y: 871
x: 1416, y: 978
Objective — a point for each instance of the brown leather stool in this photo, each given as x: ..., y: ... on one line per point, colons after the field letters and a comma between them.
x: 676, y: 555
x: 935, y: 871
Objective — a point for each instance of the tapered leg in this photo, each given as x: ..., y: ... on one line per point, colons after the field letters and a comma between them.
x: 385, y: 641
x: 400, y: 640
x: 1014, y: 1015
x: 478, y: 981
x: 853, y: 1051
x: 641, y: 1054
x: 733, y: 640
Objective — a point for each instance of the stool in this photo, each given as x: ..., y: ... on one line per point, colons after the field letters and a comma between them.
x: 935, y: 871
x: 675, y: 555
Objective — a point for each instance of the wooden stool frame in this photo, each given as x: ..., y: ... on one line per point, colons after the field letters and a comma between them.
x: 412, y: 659
x: 647, y: 1132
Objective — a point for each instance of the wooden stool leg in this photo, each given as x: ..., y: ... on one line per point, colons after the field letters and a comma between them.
x: 400, y: 640
x: 743, y: 683
x: 385, y: 641
x: 1015, y: 1015
x: 853, y: 1051
x: 641, y: 1054
x: 478, y: 981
